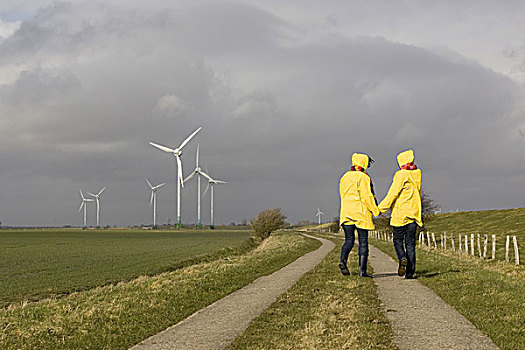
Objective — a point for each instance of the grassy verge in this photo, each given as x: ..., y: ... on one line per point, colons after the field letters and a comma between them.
x: 39, y: 264
x: 324, y: 310
x: 491, y: 298
x: 118, y: 316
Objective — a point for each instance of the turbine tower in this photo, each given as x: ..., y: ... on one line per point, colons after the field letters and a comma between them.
x: 198, y: 171
x: 84, y: 204
x: 211, y: 184
x: 97, y: 199
x: 153, y: 200
x: 319, y: 213
x: 177, y: 153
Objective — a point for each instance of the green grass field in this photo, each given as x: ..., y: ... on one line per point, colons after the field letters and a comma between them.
x: 36, y: 264
x: 120, y: 315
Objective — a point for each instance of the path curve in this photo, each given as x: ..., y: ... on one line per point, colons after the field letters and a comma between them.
x: 218, y: 324
x: 420, y: 319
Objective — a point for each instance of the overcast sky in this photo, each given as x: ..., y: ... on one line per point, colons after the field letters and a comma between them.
x: 285, y: 92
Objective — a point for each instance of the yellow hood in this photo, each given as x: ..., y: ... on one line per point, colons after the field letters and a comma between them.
x: 359, y: 159
x: 405, y: 157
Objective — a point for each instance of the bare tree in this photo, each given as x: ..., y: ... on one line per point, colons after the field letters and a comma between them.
x: 428, y: 205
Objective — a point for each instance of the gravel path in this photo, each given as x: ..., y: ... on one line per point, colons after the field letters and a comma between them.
x: 217, y: 325
x: 420, y: 319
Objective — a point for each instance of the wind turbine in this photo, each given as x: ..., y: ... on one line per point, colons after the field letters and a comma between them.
x: 198, y: 171
x: 97, y: 196
x: 211, y: 184
x: 319, y: 213
x: 177, y: 153
x: 84, y: 204
x: 153, y: 200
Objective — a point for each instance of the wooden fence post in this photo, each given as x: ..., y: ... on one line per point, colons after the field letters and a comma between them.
x: 472, y: 250
x: 485, y: 246
x: 452, y: 240
x: 428, y: 239
x: 516, y: 252
x: 459, y: 243
x: 479, y: 246
x: 445, y: 241
x: 466, y: 244
x: 434, y: 240
x: 507, y: 244
x: 493, y: 247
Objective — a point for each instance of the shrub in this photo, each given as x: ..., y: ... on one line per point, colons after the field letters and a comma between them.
x: 266, y: 222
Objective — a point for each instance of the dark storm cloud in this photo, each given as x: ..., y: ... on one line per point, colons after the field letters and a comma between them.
x: 281, y: 114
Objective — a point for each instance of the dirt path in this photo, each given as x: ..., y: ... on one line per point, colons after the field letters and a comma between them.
x: 217, y: 325
x: 420, y: 319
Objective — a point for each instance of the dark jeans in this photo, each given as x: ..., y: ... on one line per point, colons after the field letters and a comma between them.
x: 405, y: 245
x: 350, y: 239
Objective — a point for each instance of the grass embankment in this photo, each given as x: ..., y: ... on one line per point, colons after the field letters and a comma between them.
x: 118, y: 316
x: 490, y: 294
x: 323, y: 310
x: 37, y: 264
x: 498, y: 222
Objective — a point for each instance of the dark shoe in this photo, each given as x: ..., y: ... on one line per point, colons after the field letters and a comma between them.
x: 401, y: 270
x: 410, y: 277
x: 344, y: 269
x: 363, y: 260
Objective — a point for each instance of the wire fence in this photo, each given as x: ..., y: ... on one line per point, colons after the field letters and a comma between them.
x: 473, y: 245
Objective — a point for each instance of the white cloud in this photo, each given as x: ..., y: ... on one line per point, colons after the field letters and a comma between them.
x: 172, y: 105
x: 8, y: 28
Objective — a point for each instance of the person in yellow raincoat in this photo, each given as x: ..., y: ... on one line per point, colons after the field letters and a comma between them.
x: 358, y: 204
x: 404, y: 196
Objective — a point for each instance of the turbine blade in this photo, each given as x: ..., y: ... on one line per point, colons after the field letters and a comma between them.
x: 179, y: 171
x: 81, y: 205
x: 82, y: 195
x: 206, y: 190
x: 197, y: 157
x: 158, y: 186
x: 220, y: 182
x: 102, y: 190
x: 91, y: 194
x: 190, y: 176
x: 164, y: 148
x: 207, y: 176
x: 189, y: 138
x: 149, y: 183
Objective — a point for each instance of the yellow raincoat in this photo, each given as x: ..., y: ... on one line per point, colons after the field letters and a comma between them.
x: 357, y: 200
x: 404, y: 195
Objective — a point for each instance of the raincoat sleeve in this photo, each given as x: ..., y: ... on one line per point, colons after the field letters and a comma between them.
x: 393, y: 193
x: 367, y: 196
